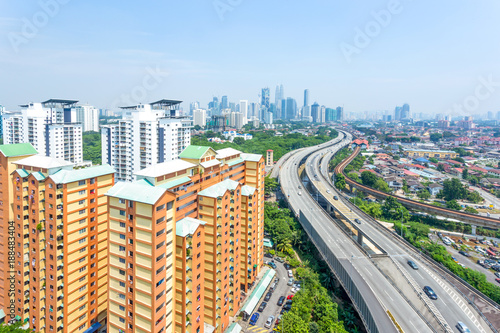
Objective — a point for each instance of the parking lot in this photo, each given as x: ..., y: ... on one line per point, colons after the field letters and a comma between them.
x: 272, y: 309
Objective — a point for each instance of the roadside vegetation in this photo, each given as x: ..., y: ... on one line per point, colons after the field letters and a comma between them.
x: 264, y: 140
x: 92, y: 147
x: 318, y: 306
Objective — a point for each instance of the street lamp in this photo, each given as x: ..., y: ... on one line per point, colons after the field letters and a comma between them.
x: 402, y: 215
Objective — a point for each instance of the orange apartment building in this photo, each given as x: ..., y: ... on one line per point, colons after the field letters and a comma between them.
x: 59, y: 216
x: 216, y: 199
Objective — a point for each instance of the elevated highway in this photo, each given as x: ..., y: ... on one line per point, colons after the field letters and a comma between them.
x: 457, y: 301
x: 381, y: 307
x: 474, y: 220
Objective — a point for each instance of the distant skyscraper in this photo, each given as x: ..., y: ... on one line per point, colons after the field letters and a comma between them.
x: 306, y: 97
x: 244, y: 108
x: 214, y: 106
x: 490, y: 115
x: 193, y: 106
x: 315, y: 113
x: 264, y: 103
x: 498, y: 115
x: 340, y: 113
x: 330, y: 114
x: 223, y: 103
x: 291, y: 108
x: 199, y: 117
x: 2, y: 110
x: 405, y: 111
x: 397, y: 113
x: 282, y: 92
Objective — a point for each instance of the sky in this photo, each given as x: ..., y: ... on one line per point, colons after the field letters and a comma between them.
x: 438, y: 56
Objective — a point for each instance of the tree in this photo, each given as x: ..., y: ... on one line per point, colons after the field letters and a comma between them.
x: 16, y: 328
x: 435, y: 137
x: 453, y: 189
x: 474, y: 197
x: 270, y: 184
x: 381, y: 185
x: 424, y: 194
x: 340, y: 181
x: 465, y: 173
x: 393, y: 210
x: 433, y: 160
x: 440, y: 167
x: 354, y: 176
x: 91, y: 145
x: 471, y: 210
x: 405, y: 186
x: 453, y: 204
x: 368, y: 178
x: 239, y: 141
x: 197, y: 127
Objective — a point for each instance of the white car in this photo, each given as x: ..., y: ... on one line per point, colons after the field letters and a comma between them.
x: 294, y: 290
x: 269, y: 322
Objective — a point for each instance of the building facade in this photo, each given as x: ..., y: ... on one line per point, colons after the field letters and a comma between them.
x: 196, y: 242
x: 49, y: 126
x: 59, y: 219
x: 147, y: 134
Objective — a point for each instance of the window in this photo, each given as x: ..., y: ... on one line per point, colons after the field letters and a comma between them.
x: 122, y: 224
x: 122, y: 201
x: 81, y: 202
x: 82, y: 182
x: 83, y: 240
x: 122, y: 212
x: 122, y: 236
x: 82, y: 211
x: 82, y: 192
x: 82, y: 231
x: 170, y: 205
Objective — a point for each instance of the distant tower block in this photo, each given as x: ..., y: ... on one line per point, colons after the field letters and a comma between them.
x: 269, y: 158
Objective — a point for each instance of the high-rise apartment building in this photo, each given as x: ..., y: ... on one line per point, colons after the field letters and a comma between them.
x: 306, y: 97
x: 200, y: 117
x: 405, y: 111
x: 88, y: 116
x: 315, y: 113
x: 58, y: 219
x: 291, y: 108
x: 146, y: 135
x: 2, y: 110
x: 50, y: 127
x: 185, y: 239
x: 244, y: 109
x: 340, y: 113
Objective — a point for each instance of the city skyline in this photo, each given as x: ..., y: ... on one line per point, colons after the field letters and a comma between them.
x: 440, y: 68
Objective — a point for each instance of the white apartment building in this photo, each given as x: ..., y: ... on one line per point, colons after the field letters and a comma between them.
x: 146, y: 135
x: 48, y: 127
x: 199, y: 117
x: 88, y: 116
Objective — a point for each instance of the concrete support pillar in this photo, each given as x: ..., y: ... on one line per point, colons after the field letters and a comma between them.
x: 473, y: 229
x: 360, y: 238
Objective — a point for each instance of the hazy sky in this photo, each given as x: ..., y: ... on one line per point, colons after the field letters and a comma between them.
x: 430, y: 54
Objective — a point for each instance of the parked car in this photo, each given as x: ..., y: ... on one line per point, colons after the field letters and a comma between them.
x: 428, y: 290
x: 290, y: 273
x: 464, y: 253
x: 462, y: 328
x: 262, y: 306
x: 278, y: 320
x: 268, y: 296
x: 279, y: 259
x: 497, y: 280
x: 290, y: 282
x: 290, y: 296
x: 497, y: 274
x: 412, y: 264
x: 268, y: 255
x: 269, y: 322
x: 272, y: 264
x: 287, y: 266
x: 294, y: 290
x: 281, y: 300
x: 273, y: 287
x: 300, y: 187
x: 254, y: 319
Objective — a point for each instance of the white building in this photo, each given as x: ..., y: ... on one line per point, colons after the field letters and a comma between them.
x: 200, y: 117
x: 48, y: 127
x: 244, y: 110
x: 88, y: 116
x: 146, y: 135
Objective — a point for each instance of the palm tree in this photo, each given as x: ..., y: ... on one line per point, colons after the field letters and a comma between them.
x: 283, y: 245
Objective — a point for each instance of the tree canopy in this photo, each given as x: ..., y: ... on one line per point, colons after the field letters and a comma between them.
x: 91, y: 144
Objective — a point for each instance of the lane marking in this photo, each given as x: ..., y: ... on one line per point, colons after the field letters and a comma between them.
x: 368, y: 271
x: 385, y: 291
x: 414, y: 326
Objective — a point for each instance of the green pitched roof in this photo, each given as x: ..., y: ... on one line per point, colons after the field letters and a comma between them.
x: 18, y: 149
x: 194, y: 152
x: 136, y: 192
x: 219, y: 189
x: 187, y: 226
x: 22, y: 173
x: 70, y: 176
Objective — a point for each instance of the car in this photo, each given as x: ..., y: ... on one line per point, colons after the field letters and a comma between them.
x: 497, y: 274
x: 268, y: 255
x: 300, y: 193
x: 245, y: 316
x: 281, y: 300
x: 464, y: 253
x: 497, y: 280
x: 290, y: 296
x: 272, y: 264
x: 273, y: 286
x: 328, y: 191
x: 294, y: 290
x: 287, y: 266
x: 462, y: 328
x: 277, y: 280
x: 412, y: 264
x: 454, y: 259
x: 335, y: 197
x: 428, y: 290
x: 278, y: 320
x: 269, y: 322
x: 268, y: 296
x: 300, y: 187
x: 254, y: 319
x: 290, y: 282
x: 461, y: 265
x: 290, y: 273
x: 262, y: 306
x: 287, y: 307
x: 279, y: 259
x: 357, y: 221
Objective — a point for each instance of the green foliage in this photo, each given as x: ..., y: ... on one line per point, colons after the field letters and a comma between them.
x: 471, y: 210
x: 92, y: 147
x: 440, y: 167
x: 465, y: 173
x: 264, y: 140
x: 453, y: 204
x: 435, y: 137
x: 453, y: 190
x: 459, y: 159
x: 433, y: 160
x: 356, y: 164
x: 424, y: 194
x: 368, y: 178
x: 474, y: 197
x: 16, y: 328
x: 354, y: 176
x: 270, y: 184
x: 462, y: 152
x: 381, y: 185
x: 340, y: 181
x: 393, y: 210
